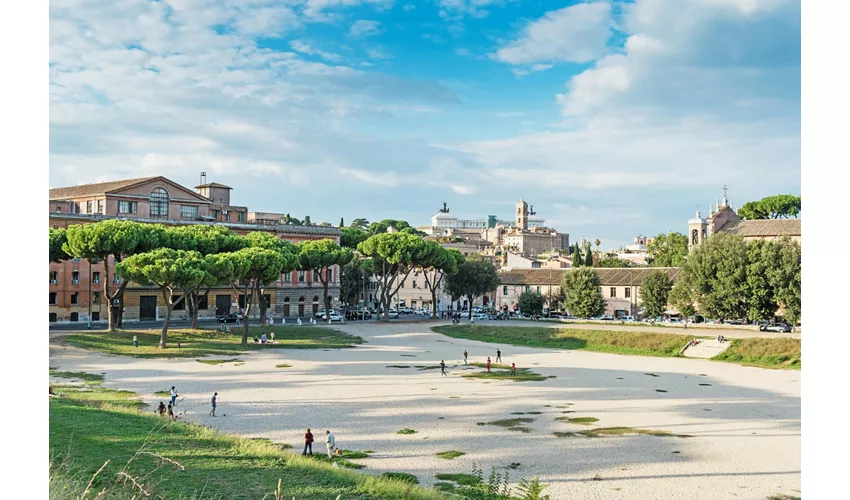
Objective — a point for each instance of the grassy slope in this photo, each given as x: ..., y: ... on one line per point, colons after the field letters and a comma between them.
x: 764, y: 352
x: 195, y: 343
x: 83, y: 435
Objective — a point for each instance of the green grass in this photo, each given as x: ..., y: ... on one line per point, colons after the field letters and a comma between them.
x: 87, y: 428
x: 423, y: 367
x: 406, y: 431
x: 218, y: 361
x: 511, y: 424
x: 450, y: 455
x: 89, y: 378
x: 763, y: 352
x: 444, y: 486
x: 162, y: 394
x: 783, y: 496
x: 503, y: 372
x: 398, y: 366
x: 618, y: 431
x: 578, y: 420
x: 209, y: 342
x: 284, y: 365
x: 461, y: 479
x: 401, y: 476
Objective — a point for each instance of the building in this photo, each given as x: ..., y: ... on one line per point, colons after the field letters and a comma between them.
x: 722, y: 218
x: 443, y: 223
x: 76, y: 286
x: 532, y: 241
x: 620, y: 286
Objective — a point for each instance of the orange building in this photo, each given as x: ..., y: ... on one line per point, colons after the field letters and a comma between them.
x: 76, y: 286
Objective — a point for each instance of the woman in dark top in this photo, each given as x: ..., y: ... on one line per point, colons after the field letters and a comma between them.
x: 308, y: 442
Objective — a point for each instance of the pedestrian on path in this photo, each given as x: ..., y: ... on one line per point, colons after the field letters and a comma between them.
x: 330, y: 442
x: 170, y: 411
x: 488, y: 364
x: 161, y: 409
x: 443, y: 367
x: 513, y: 369
x: 465, y: 356
x: 173, y: 396
x: 308, y: 442
x: 498, y: 356
x: 214, y: 398
x: 271, y: 335
x: 135, y: 341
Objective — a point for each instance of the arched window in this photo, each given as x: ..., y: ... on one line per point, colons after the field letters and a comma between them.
x: 159, y: 203
x: 316, y: 298
x: 286, y: 299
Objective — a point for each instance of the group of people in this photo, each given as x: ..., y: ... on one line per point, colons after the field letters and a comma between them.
x: 172, y: 405
x: 262, y: 339
x: 330, y: 444
x: 721, y: 339
x: 466, y: 362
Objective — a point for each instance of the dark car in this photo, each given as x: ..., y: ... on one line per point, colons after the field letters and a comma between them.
x: 778, y: 328
x: 230, y: 318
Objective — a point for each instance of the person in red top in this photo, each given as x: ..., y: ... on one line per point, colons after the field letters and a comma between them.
x: 488, y: 364
x: 308, y: 442
x: 513, y: 368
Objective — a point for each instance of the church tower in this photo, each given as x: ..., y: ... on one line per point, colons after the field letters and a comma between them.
x: 696, y: 231
x: 522, y: 215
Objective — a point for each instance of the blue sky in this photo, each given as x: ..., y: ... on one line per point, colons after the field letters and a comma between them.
x: 612, y: 118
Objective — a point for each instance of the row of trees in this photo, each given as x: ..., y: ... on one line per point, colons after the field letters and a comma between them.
x: 186, y: 262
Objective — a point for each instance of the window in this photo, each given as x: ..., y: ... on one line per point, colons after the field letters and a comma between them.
x: 178, y: 306
x: 330, y: 274
x: 214, y: 214
x: 538, y: 290
x: 287, y: 277
x: 315, y: 275
x: 188, y: 212
x: 504, y: 290
x: 301, y: 276
x: 75, y: 259
x: 159, y: 203
x: 613, y: 291
x: 53, y: 317
x: 52, y: 298
x: 95, y: 277
x: 95, y: 316
x: 100, y: 206
x: 203, y: 304
x: 54, y: 277
x: 75, y: 298
x: 95, y: 298
x: 75, y: 316
x: 527, y: 288
x: 240, y: 216
x: 127, y: 207
x: 89, y: 207
x: 414, y: 283
x: 628, y: 292
x: 75, y: 277
x: 116, y: 279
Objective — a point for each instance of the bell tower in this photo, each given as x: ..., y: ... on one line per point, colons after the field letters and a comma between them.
x: 696, y: 231
x: 522, y: 215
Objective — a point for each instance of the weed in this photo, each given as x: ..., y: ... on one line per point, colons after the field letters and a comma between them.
x: 450, y: 455
x: 406, y: 431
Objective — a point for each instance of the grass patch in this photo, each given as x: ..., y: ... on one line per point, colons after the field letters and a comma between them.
x: 218, y: 361
x: 578, y: 420
x: 183, y: 460
x: 423, y: 367
x: 283, y: 365
x: 401, y: 476
x: 511, y: 424
x: 353, y: 455
x: 209, y: 342
x: 660, y: 390
x: 622, y: 431
x: 406, y: 431
x: 89, y: 378
x: 783, y: 496
x: 461, y: 479
x: 445, y: 487
x: 450, y: 455
x: 503, y: 372
x: 763, y: 352
x: 162, y: 394
x: 398, y: 366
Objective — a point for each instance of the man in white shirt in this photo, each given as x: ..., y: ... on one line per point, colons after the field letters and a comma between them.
x: 330, y: 441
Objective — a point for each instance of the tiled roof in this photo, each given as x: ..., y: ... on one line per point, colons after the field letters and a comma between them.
x: 607, y: 276
x: 214, y: 185
x: 765, y: 227
x: 65, y: 193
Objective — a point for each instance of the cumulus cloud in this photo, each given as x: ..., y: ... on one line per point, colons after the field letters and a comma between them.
x: 578, y: 33
x: 362, y: 27
x: 302, y: 47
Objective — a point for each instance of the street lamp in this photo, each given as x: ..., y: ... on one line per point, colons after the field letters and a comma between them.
x: 90, y: 280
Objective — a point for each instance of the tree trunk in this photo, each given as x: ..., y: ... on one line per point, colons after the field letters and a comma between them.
x: 108, y: 296
x: 192, y: 304
x: 166, y: 296
x: 261, y: 303
x: 471, y: 298
x: 325, y: 286
x: 248, y: 296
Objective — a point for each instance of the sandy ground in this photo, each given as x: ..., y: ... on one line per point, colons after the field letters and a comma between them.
x: 745, y: 424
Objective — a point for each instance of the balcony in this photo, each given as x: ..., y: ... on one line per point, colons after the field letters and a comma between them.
x: 53, y: 282
x: 75, y: 282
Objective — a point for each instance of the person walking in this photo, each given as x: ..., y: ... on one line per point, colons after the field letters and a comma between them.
x: 173, y: 396
x: 308, y: 442
x: 271, y: 335
x: 465, y: 356
x: 498, y: 356
x: 213, y: 401
x: 513, y: 369
x: 170, y: 411
x: 443, y: 367
x: 161, y: 409
x: 135, y: 341
x: 488, y: 364
x: 330, y: 442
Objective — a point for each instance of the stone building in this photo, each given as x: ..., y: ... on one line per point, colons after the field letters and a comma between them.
x: 76, y: 286
x: 722, y: 218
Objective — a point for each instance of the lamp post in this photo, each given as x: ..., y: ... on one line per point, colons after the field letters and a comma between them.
x: 90, y: 280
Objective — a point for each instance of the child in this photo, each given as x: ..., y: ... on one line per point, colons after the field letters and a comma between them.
x: 161, y: 409
x: 215, y: 396
x: 170, y: 412
x: 263, y: 338
x: 488, y: 364
x: 465, y: 355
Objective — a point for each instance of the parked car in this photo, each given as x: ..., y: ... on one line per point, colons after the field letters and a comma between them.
x: 230, y: 318
x: 480, y: 316
x: 335, y: 317
x: 778, y: 328
x: 626, y: 318
x: 393, y: 315
x: 321, y: 314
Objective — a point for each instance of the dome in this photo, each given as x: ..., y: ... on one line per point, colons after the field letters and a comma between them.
x: 697, y: 219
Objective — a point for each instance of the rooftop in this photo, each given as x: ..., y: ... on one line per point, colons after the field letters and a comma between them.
x: 762, y: 228
x: 213, y: 185
x: 64, y: 193
x: 607, y: 276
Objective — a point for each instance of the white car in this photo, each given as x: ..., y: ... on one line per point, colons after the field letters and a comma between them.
x: 335, y: 317
x: 479, y: 316
x: 392, y: 315
x: 321, y: 314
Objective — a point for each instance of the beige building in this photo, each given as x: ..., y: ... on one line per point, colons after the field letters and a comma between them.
x: 723, y: 219
x: 620, y: 287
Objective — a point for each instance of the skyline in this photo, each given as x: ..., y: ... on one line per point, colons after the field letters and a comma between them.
x: 614, y: 118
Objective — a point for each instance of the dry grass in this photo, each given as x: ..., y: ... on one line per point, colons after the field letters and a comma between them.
x: 618, y: 431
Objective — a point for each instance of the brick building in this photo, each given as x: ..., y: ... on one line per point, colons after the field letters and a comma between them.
x: 76, y: 286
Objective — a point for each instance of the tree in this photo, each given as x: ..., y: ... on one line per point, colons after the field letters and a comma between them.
x: 668, y: 250
x: 785, y: 277
x: 436, y: 264
x: 352, y: 236
x: 588, y: 257
x: 341, y: 223
x: 716, y: 273
x: 613, y: 262
x: 247, y: 270
x: 655, y: 293
x: 780, y: 206
x: 322, y: 256
x: 761, y: 298
x: 360, y: 223
x: 474, y: 278
x: 392, y: 256
x: 583, y: 293
x: 307, y: 221
x: 57, y: 240
x: 285, y: 249
x: 352, y: 280
x: 206, y: 240
x: 577, y: 260
x: 531, y: 303
x: 399, y: 226
x: 597, y: 242
x: 168, y: 269
x: 682, y: 298
x: 117, y: 239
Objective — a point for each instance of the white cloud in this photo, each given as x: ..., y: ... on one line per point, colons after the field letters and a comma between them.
x: 381, y: 179
x: 317, y: 9
x: 408, y: 7
x: 455, y: 10
x: 459, y: 189
x: 303, y: 47
x: 578, y: 33
x: 462, y: 52
x: 363, y: 27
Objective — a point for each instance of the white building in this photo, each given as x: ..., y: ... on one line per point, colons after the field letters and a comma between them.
x: 443, y: 222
